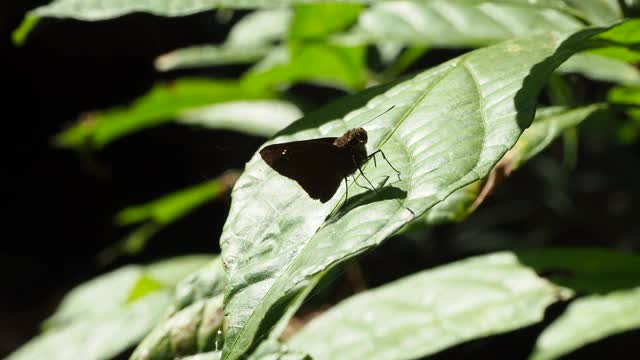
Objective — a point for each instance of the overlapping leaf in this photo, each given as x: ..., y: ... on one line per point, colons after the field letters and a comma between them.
x: 161, y: 104
x: 427, y: 312
x: 588, y: 320
x: 448, y: 127
x: 105, y: 316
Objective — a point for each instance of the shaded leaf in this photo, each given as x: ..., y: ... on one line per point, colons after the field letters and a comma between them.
x: 257, y: 117
x: 430, y: 311
x: 587, y: 320
x: 585, y: 270
x: 448, y: 128
x: 161, y: 104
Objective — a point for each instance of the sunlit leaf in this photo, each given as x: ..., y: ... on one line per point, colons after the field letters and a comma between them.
x: 448, y: 128
x: 250, y: 39
x: 105, y: 316
x: 99, y: 337
x: 92, y: 10
x: 587, y: 320
x: 627, y: 33
x: 429, y: 311
x: 317, y: 63
x: 163, y: 103
x: 316, y: 21
x: 458, y: 23
x: 602, y: 68
x: 256, y: 117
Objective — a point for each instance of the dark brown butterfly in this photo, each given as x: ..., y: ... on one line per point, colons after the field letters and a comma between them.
x: 319, y: 165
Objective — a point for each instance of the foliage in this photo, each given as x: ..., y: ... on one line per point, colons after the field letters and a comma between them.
x: 455, y: 131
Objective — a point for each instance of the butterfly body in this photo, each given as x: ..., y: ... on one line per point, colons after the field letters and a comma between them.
x: 319, y: 165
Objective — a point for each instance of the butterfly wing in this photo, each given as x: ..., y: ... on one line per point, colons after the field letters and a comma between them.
x: 317, y: 165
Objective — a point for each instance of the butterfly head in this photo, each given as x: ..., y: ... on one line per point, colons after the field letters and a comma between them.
x: 357, y: 136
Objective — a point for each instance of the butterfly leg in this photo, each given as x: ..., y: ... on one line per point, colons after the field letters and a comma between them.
x: 346, y: 190
x: 362, y: 173
x: 373, y: 155
x: 356, y: 182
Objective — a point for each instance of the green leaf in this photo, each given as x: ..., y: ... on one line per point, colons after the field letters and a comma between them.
x: 249, y: 40
x: 275, y: 350
x: 627, y: 33
x: 585, y: 270
x: 317, y: 21
x: 193, y: 329
x: 448, y: 128
x: 256, y: 117
x: 92, y: 10
x: 143, y: 287
x: 208, y: 282
x: 597, y: 12
x: 115, y: 289
x: 260, y: 27
x: 213, y: 355
x: 625, y: 95
x: 587, y: 320
x: 193, y: 321
x: 315, y: 62
x: 618, y: 53
x: 602, y: 68
x: 20, y: 35
x: 209, y: 55
x: 161, y: 104
x: 430, y: 311
x: 458, y: 23
x: 549, y: 124
x: 105, y: 316
x: 98, y: 337
x: 176, y: 205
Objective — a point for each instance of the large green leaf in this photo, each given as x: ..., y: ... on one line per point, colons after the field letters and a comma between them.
x: 448, y: 128
x: 432, y: 310
x: 585, y: 270
x: 161, y: 104
x: 458, y: 23
x: 192, y: 323
x: 105, y: 316
x: 99, y: 337
x: 587, y: 320
x: 316, y: 21
x: 547, y: 126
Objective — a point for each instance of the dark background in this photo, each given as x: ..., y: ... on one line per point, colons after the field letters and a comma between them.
x: 61, y: 203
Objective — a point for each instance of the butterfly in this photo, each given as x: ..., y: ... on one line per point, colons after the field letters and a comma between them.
x: 320, y: 165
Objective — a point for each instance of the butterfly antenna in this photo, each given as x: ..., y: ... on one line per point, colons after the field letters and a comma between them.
x: 386, y: 111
